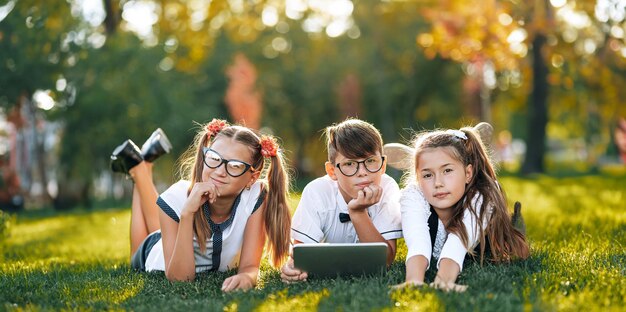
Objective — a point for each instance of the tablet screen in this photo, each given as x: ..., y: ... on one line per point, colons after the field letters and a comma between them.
x: 332, y: 260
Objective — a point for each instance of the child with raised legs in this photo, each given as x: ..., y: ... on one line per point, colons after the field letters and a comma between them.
x: 454, y: 180
x: 355, y: 202
x: 219, y: 216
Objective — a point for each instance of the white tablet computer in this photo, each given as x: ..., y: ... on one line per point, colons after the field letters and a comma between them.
x: 332, y: 260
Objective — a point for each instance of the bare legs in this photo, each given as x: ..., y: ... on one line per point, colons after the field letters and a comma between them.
x: 144, y: 212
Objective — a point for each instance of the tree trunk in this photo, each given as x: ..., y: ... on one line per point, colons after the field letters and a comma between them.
x: 73, y: 192
x: 537, y: 111
x: 38, y: 136
x: 112, y: 18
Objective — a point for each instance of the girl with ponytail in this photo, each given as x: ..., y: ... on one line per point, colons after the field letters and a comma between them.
x: 233, y: 196
x: 453, y: 207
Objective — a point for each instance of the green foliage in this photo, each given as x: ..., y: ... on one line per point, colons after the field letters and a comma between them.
x: 31, y: 48
x: 121, y: 92
x: 120, y: 87
x: 576, y: 227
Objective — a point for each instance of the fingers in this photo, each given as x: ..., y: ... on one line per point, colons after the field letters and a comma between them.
x: 377, y: 193
x: 207, y: 190
x: 229, y: 284
x: 448, y: 286
x: 201, y: 193
x: 289, y: 274
x: 210, y: 196
x: 437, y: 284
x: 237, y: 282
x: 360, y: 196
x: 290, y: 279
x: 408, y: 284
x: 369, y: 195
x: 373, y: 193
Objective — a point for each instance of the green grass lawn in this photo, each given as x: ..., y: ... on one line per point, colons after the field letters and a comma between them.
x: 576, y: 226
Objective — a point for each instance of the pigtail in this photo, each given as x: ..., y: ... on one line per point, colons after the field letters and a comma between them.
x: 192, y: 166
x: 276, y: 214
x: 200, y: 227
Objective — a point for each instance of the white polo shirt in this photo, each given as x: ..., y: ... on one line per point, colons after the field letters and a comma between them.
x: 172, y: 202
x: 316, y: 219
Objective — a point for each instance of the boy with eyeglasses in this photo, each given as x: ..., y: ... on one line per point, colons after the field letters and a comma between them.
x: 355, y: 202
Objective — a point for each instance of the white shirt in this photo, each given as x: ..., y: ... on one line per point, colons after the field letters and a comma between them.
x: 415, y: 212
x: 316, y: 219
x: 172, y: 201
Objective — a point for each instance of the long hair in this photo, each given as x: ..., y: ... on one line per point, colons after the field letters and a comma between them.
x: 505, y: 241
x: 277, y: 218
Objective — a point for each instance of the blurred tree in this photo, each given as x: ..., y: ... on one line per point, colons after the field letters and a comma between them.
x: 122, y: 84
x: 113, y: 16
x: 33, y: 48
x: 119, y: 92
x: 314, y: 66
x: 34, y: 52
x: 565, y: 40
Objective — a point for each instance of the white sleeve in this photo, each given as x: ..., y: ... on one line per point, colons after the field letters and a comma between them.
x: 415, y: 212
x: 173, y: 199
x: 453, y: 248
x: 306, y: 223
x: 388, y: 219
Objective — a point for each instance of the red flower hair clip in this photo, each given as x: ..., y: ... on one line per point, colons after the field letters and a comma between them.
x: 269, y: 147
x: 215, y: 126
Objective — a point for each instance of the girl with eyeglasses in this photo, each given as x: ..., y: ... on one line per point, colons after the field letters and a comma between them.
x: 354, y: 202
x: 218, y: 217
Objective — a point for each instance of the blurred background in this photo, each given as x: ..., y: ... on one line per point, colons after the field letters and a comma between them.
x: 78, y: 77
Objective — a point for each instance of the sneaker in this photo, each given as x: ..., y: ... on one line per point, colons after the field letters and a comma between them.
x: 156, y: 145
x: 125, y: 157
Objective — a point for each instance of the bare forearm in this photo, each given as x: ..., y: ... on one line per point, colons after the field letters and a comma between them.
x: 448, y: 270
x: 416, y: 269
x: 250, y: 271
x: 364, y: 227
x: 181, y: 266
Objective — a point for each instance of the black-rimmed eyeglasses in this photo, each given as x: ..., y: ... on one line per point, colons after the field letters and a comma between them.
x: 351, y: 167
x: 234, y: 168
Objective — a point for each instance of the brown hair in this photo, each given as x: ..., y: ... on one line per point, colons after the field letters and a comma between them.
x: 353, y: 138
x: 276, y: 214
x: 505, y: 241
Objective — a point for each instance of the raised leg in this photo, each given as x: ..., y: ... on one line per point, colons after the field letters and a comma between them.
x: 138, y: 228
x: 144, y: 211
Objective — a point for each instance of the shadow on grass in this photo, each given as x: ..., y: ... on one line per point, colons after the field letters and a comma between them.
x: 39, y: 214
x: 61, y: 286
x: 33, y: 249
